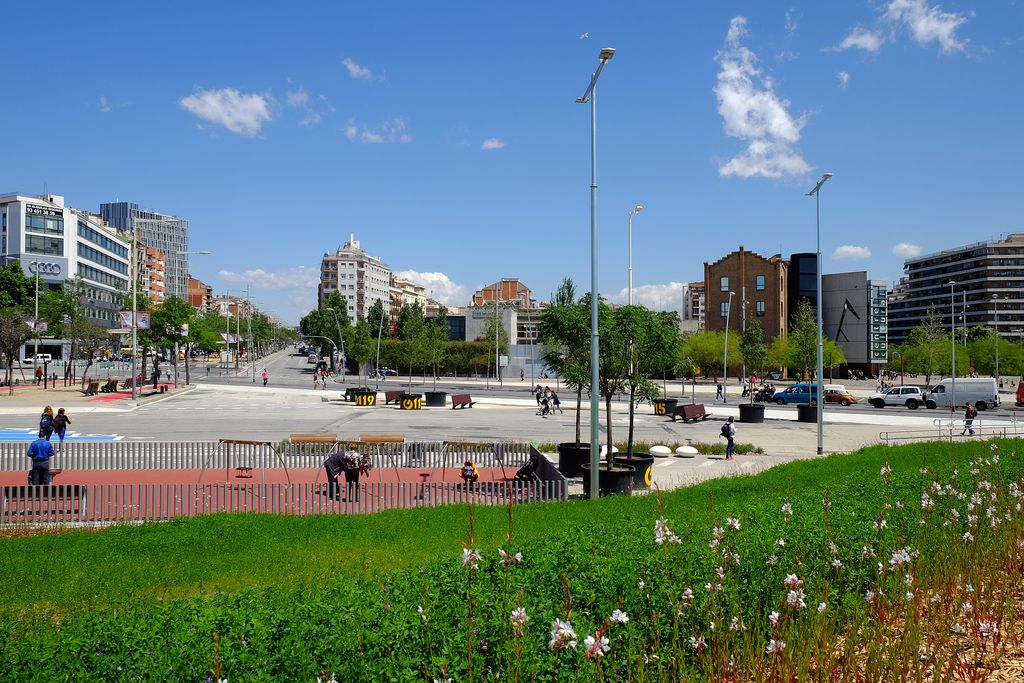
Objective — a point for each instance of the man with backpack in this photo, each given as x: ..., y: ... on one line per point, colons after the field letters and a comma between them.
x: 729, y: 432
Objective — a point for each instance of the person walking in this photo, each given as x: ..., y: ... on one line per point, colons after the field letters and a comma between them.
x: 729, y: 432
x: 555, y: 403
x: 39, y: 374
x: 40, y: 451
x: 266, y: 376
x: 522, y: 374
x: 60, y: 425
x: 970, y: 412
x: 46, y: 422
x: 538, y: 392
x: 718, y: 391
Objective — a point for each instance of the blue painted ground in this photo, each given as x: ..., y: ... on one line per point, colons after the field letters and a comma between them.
x: 30, y: 435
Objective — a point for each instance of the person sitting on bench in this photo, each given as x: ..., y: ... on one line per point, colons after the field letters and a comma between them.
x: 469, y: 472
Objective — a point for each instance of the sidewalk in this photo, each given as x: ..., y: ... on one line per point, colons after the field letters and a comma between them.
x: 30, y: 399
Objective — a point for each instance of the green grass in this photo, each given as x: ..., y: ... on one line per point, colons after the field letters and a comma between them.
x: 225, y: 553
x: 291, y: 597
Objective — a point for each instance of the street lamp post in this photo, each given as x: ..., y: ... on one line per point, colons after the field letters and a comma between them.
x: 725, y: 351
x: 995, y: 312
x: 590, y: 95
x: 634, y: 211
x: 337, y: 321
x: 952, y: 345
x: 816, y: 193
x: 380, y: 330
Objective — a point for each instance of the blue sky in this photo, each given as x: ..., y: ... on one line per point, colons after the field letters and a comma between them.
x: 446, y: 137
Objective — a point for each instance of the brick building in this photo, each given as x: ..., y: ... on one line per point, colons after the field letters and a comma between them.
x: 761, y: 281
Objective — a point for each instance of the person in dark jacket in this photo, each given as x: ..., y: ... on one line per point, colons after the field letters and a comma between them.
x: 46, y: 422
x: 60, y: 425
x: 40, y: 451
x: 334, y: 465
x: 353, y: 465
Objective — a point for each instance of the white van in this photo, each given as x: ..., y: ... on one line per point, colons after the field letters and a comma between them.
x: 978, y: 391
x: 39, y: 359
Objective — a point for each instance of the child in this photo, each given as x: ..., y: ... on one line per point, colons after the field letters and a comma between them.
x: 469, y: 472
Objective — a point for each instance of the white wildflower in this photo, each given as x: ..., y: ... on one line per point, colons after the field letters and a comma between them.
x: 596, y: 647
x: 618, y: 617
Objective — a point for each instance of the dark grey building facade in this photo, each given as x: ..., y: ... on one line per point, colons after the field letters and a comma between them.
x: 160, y: 231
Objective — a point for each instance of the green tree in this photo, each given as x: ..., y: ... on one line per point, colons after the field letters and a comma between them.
x: 410, y: 321
x: 613, y: 365
x: 15, y: 330
x: 17, y: 290
x: 87, y: 339
x: 754, y: 350
x: 433, y: 343
x: 564, y: 328
x: 169, y: 323
x: 927, y: 348
x: 651, y: 343
x: 361, y: 347
x: 803, y: 339
x: 378, y: 319
x: 411, y: 349
x: 706, y: 349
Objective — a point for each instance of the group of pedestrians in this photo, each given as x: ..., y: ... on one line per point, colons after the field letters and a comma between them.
x: 41, y: 450
x: 547, y: 401
x: 352, y: 464
x: 320, y: 378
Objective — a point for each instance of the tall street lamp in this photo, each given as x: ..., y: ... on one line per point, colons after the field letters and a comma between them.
x: 337, y: 321
x: 816, y: 193
x: 952, y: 346
x: 995, y: 312
x: 725, y: 352
x: 590, y: 96
x: 187, y: 349
x: 634, y: 211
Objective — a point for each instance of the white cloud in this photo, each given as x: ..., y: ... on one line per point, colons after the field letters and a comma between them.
x: 388, y: 132
x: 104, y: 104
x: 357, y: 71
x: 288, y: 278
x: 439, y: 287
x: 906, y: 250
x: 928, y: 24
x: 870, y: 41
x: 239, y: 112
x: 790, y: 24
x: 925, y: 23
x: 493, y: 143
x: 844, y: 79
x: 666, y: 297
x: 849, y: 251
x: 752, y: 111
x: 300, y: 99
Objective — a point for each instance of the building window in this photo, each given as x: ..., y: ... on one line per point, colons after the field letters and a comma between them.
x: 50, y: 246
x: 50, y: 224
x: 759, y: 308
x: 725, y: 308
x: 759, y: 283
x: 725, y: 283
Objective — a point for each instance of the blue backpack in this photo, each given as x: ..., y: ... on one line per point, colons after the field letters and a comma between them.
x: 45, y: 422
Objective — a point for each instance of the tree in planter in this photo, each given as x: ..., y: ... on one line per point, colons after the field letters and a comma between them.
x: 650, y: 342
x: 565, y: 329
x: 410, y: 327
x: 15, y: 330
x: 803, y: 344
x: 361, y: 347
x: 433, y: 343
x: 612, y: 362
x: 754, y: 351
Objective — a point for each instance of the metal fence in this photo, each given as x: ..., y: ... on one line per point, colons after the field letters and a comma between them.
x: 955, y: 429
x: 101, y: 504
x: 175, y: 455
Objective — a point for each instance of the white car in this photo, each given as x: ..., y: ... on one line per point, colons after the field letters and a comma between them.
x: 39, y: 358
x: 910, y: 397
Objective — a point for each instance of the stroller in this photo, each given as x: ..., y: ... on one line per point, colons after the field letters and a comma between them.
x: 545, y: 407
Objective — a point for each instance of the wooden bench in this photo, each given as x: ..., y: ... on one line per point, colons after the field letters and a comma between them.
x: 127, y: 384
x: 462, y: 401
x: 91, y: 388
x: 690, y: 411
x: 393, y: 397
x: 313, y: 438
x: 110, y: 386
x: 19, y: 500
x: 243, y: 472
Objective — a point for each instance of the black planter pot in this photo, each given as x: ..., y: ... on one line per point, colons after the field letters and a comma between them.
x: 571, y: 457
x: 618, y: 481
x: 807, y: 413
x: 435, y: 399
x: 664, y: 406
x: 752, y: 413
x: 642, y: 462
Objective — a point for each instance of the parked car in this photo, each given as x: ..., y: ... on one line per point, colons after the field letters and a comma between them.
x: 39, y: 359
x: 798, y: 393
x: 980, y: 392
x: 837, y: 393
x: 911, y: 397
x: 312, y: 357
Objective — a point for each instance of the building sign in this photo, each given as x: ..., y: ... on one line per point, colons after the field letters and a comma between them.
x: 43, y: 210
x: 141, y: 319
x: 53, y: 268
x: 44, y: 268
x: 879, y: 323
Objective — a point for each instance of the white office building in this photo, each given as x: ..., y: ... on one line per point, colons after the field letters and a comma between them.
x: 54, y: 243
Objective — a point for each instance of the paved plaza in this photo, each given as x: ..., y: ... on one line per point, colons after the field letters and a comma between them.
x: 231, y: 406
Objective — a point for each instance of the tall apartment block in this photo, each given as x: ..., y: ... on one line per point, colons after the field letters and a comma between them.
x: 168, y: 234
x: 360, y: 279
x: 988, y: 280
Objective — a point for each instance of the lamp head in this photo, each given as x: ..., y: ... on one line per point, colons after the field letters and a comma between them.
x: 607, y: 53
x: 825, y: 176
x: 638, y: 208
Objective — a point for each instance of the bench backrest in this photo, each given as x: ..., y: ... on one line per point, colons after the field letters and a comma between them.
x: 461, y: 398
x: 393, y: 394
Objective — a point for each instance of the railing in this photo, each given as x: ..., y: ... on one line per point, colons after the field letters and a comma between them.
x: 101, y: 504
x: 952, y: 429
x: 175, y: 455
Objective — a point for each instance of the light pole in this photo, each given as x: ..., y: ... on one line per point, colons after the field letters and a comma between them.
x: 634, y: 211
x: 952, y: 345
x: 816, y: 193
x: 995, y: 312
x: 590, y: 95
x: 337, y: 321
x: 187, y: 349
x: 380, y: 330
x: 725, y: 351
